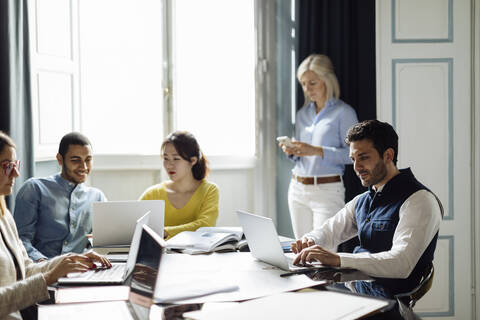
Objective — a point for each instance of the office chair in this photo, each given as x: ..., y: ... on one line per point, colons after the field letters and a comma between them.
x: 411, y: 298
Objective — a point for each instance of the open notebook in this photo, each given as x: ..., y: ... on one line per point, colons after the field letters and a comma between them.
x: 141, y: 281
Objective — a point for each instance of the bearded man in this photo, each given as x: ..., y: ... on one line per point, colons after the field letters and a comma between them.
x: 396, y: 220
x: 54, y: 214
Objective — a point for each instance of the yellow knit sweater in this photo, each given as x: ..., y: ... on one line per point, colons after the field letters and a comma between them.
x: 200, y: 211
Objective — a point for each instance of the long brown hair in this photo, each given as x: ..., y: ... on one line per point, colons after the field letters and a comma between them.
x: 5, y: 141
x: 187, y: 147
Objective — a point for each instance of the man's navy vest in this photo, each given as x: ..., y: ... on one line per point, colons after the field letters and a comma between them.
x: 377, y: 216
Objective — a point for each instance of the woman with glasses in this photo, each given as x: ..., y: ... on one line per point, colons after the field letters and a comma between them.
x: 191, y: 201
x: 23, y: 282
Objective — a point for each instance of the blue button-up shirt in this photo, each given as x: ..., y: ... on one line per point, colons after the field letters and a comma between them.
x: 327, y: 129
x: 53, y: 215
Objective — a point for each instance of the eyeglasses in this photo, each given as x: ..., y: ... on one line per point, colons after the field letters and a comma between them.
x: 8, y: 166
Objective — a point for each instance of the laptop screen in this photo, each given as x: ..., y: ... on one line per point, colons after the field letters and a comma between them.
x: 113, y: 221
x: 144, y: 275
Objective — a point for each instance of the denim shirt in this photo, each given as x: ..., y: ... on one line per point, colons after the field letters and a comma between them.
x: 53, y: 215
x: 327, y: 129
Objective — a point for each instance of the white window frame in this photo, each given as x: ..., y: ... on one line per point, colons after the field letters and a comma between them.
x: 137, y: 161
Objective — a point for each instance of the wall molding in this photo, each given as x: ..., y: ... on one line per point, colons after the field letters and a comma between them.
x: 423, y: 40
x: 451, y: 283
x: 449, y: 62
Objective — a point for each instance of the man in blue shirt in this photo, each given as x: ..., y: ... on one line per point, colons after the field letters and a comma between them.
x: 54, y: 214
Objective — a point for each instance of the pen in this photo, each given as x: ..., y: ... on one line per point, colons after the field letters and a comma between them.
x: 302, y: 271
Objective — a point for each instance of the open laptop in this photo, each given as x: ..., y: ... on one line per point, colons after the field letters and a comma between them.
x: 264, y: 243
x: 119, y: 272
x: 113, y: 221
x: 142, y: 282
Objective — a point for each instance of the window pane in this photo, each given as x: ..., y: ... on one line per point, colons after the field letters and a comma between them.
x: 215, y: 74
x: 121, y: 75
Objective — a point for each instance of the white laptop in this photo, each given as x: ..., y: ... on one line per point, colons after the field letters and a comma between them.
x: 119, y: 272
x: 142, y: 282
x: 114, y: 221
x: 264, y: 243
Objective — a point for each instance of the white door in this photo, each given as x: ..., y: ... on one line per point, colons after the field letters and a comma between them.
x: 424, y: 90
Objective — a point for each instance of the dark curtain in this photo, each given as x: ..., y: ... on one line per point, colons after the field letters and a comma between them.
x: 15, y: 95
x: 344, y: 30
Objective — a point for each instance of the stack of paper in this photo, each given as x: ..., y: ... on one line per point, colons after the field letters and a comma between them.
x: 324, y: 305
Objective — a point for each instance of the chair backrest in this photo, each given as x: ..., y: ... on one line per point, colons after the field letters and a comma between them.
x: 411, y: 298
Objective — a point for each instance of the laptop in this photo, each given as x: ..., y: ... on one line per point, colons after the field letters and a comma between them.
x: 113, y: 221
x: 264, y: 243
x: 142, y: 282
x: 118, y: 273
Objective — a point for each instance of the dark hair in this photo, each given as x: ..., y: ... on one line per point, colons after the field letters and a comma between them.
x: 72, y: 138
x: 382, y: 135
x: 187, y: 147
x: 6, y: 141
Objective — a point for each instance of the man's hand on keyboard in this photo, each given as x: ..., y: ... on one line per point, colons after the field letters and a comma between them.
x: 301, y: 244
x: 317, y: 253
x: 91, y: 258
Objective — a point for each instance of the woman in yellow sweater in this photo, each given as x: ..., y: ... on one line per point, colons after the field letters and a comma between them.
x: 190, y: 200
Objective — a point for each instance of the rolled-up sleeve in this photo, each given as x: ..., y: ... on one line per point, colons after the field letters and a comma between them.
x: 420, y: 218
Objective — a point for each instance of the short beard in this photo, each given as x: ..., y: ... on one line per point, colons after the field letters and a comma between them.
x: 67, y: 175
x: 378, y: 173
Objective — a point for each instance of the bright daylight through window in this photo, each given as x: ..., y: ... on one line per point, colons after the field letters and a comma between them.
x: 100, y: 71
x: 121, y: 75
x: 214, y: 43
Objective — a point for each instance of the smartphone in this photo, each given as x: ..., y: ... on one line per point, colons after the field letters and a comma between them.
x: 286, y: 141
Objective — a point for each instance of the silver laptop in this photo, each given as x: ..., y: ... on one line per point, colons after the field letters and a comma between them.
x: 114, y: 221
x: 142, y: 282
x: 119, y: 272
x: 264, y: 244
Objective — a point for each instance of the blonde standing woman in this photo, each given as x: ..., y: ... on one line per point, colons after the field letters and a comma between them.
x: 316, y: 190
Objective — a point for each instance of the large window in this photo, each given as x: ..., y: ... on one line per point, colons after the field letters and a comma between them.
x: 214, y: 59
x: 111, y: 81
x: 121, y: 75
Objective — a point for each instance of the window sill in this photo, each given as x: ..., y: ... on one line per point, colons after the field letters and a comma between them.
x: 153, y: 162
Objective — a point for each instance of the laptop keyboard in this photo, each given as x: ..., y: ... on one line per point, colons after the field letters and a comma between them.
x: 299, y: 266
x: 115, y: 272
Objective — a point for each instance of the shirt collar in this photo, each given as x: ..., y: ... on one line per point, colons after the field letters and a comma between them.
x: 65, y: 183
x: 379, y: 189
x: 330, y: 103
x: 404, y: 174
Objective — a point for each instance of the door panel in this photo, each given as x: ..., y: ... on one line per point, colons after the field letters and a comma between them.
x: 423, y: 88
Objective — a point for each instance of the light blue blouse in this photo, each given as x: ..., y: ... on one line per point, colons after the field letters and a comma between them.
x: 327, y: 129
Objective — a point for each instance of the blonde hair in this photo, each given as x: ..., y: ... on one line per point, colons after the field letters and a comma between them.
x: 323, y: 68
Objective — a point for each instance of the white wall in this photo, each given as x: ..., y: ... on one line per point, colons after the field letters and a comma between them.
x: 235, y: 185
